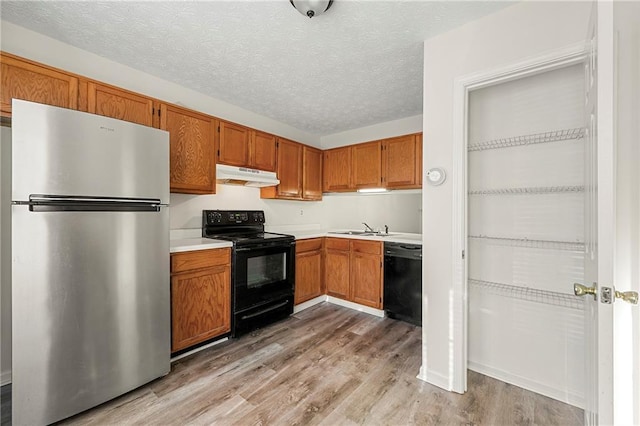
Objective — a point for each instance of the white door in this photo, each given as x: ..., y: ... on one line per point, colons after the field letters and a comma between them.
x: 610, y: 365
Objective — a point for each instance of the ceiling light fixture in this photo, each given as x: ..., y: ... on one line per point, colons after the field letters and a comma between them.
x: 311, y: 8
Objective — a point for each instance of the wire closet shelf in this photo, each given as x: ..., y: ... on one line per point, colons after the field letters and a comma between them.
x: 532, y: 139
x: 576, y: 246
x: 529, y: 294
x: 529, y: 190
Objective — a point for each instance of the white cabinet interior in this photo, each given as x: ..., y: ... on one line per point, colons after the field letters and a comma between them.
x: 526, y: 232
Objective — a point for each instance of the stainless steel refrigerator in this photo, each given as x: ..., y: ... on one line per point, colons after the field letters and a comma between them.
x: 90, y: 260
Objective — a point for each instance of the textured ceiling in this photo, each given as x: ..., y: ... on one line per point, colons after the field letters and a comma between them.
x: 358, y: 64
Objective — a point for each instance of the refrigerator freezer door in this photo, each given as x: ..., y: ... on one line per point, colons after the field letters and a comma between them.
x: 91, y: 311
x: 64, y: 152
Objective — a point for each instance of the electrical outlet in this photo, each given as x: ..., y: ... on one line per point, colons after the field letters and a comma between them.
x: 301, y: 212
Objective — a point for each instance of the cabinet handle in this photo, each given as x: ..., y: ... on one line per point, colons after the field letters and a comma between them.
x: 263, y: 311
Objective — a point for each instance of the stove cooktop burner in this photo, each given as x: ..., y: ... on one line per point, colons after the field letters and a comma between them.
x: 250, y: 237
x: 242, y: 227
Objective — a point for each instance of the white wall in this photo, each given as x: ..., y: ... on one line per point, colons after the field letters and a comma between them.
x: 400, y: 210
x: 5, y: 255
x: 29, y: 44
x: 403, y: 126
x: 627, y: 258
x: 511, y: 35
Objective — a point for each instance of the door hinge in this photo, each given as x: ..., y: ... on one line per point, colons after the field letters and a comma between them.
x: 463, y: 254
x: 218, y: 129
x: 159, y: 112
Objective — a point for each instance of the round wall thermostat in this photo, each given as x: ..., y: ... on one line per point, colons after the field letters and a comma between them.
x: 436, y: 176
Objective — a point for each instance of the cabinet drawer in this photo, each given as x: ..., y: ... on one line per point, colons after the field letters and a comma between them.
x: 371, y: 247
x: 337, y: 244
x: 191, y: 260
x: 308, y: 245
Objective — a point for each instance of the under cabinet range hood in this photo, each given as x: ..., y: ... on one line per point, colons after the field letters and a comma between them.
x: 245, y: 176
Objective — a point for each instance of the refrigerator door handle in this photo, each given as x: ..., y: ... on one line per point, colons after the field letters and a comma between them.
x: 53, y: 203
x: 49, y: 199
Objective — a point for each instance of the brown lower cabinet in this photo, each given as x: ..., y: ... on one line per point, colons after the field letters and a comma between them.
x: 308, y: 270
x: 336, y: 266
x: 366, y: 273
x: 353, y: 270
x: 200, y: 296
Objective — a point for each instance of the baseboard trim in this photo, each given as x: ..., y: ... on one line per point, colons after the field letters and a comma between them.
x: 196, y: 350
x: 434, y: 378
x: 355, y: 306
x: 570, y: 398
x: 5, y: 378
x: 309, y: 303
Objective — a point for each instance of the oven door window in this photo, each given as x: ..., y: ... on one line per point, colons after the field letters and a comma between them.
x: 263, y: 275
x: 265, y: 270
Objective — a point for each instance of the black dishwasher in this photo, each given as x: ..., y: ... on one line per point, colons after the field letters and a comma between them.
x: 403, y: 282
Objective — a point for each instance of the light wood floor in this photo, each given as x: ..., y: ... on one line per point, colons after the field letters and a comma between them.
x: 327, y: 365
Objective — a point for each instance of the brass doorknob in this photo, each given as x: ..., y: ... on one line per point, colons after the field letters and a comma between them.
x: 581, y: 290
x: 628, y: 296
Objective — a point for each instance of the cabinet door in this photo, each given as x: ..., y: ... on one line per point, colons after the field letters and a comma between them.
x: 32, y: 82
x: 262, y: 151
x: 308, y: 275
x: 419, y: 160
x: 337, y: 169
x: 233, y: 148
x: 336, y: 277
x: 121, y: 104
x: 366, y: 279
x: 192, y: 146
x: 366, y: 165
x: 289, y: 169
x: 400, y: 162
x: 312, y: 173
x: 200, y: 306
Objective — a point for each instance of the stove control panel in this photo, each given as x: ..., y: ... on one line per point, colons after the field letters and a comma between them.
x: 230, y: 217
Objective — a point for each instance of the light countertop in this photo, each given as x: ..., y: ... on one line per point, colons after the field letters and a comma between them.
x: 393, y: 237
x: 191, y: 244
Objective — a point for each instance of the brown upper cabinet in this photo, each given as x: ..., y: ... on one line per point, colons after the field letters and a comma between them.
x: 192, y: 149
x: 402, y: 162
x: 394, y: 163
x: 233, y: 147
x: 23, y: 79
x: 245, y: 147
x: 118, y: 103
x: 289, y: 171
x: 366, y: 165
x: 311, y: 173
x: 337, y: 169
x: 299, y: 169
x: 262, y: 151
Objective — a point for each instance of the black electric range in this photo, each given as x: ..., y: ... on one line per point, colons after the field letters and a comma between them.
x: 262, y: 267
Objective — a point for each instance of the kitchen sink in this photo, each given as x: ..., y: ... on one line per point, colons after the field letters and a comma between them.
x: 365, y: 233
x: 361, y: 233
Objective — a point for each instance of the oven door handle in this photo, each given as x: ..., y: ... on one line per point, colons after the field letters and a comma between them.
x: 285, y: 246
x: 263, y: 311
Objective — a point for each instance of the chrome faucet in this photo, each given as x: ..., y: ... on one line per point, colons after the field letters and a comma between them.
x: 386, y: 229
x: 368, y: 228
